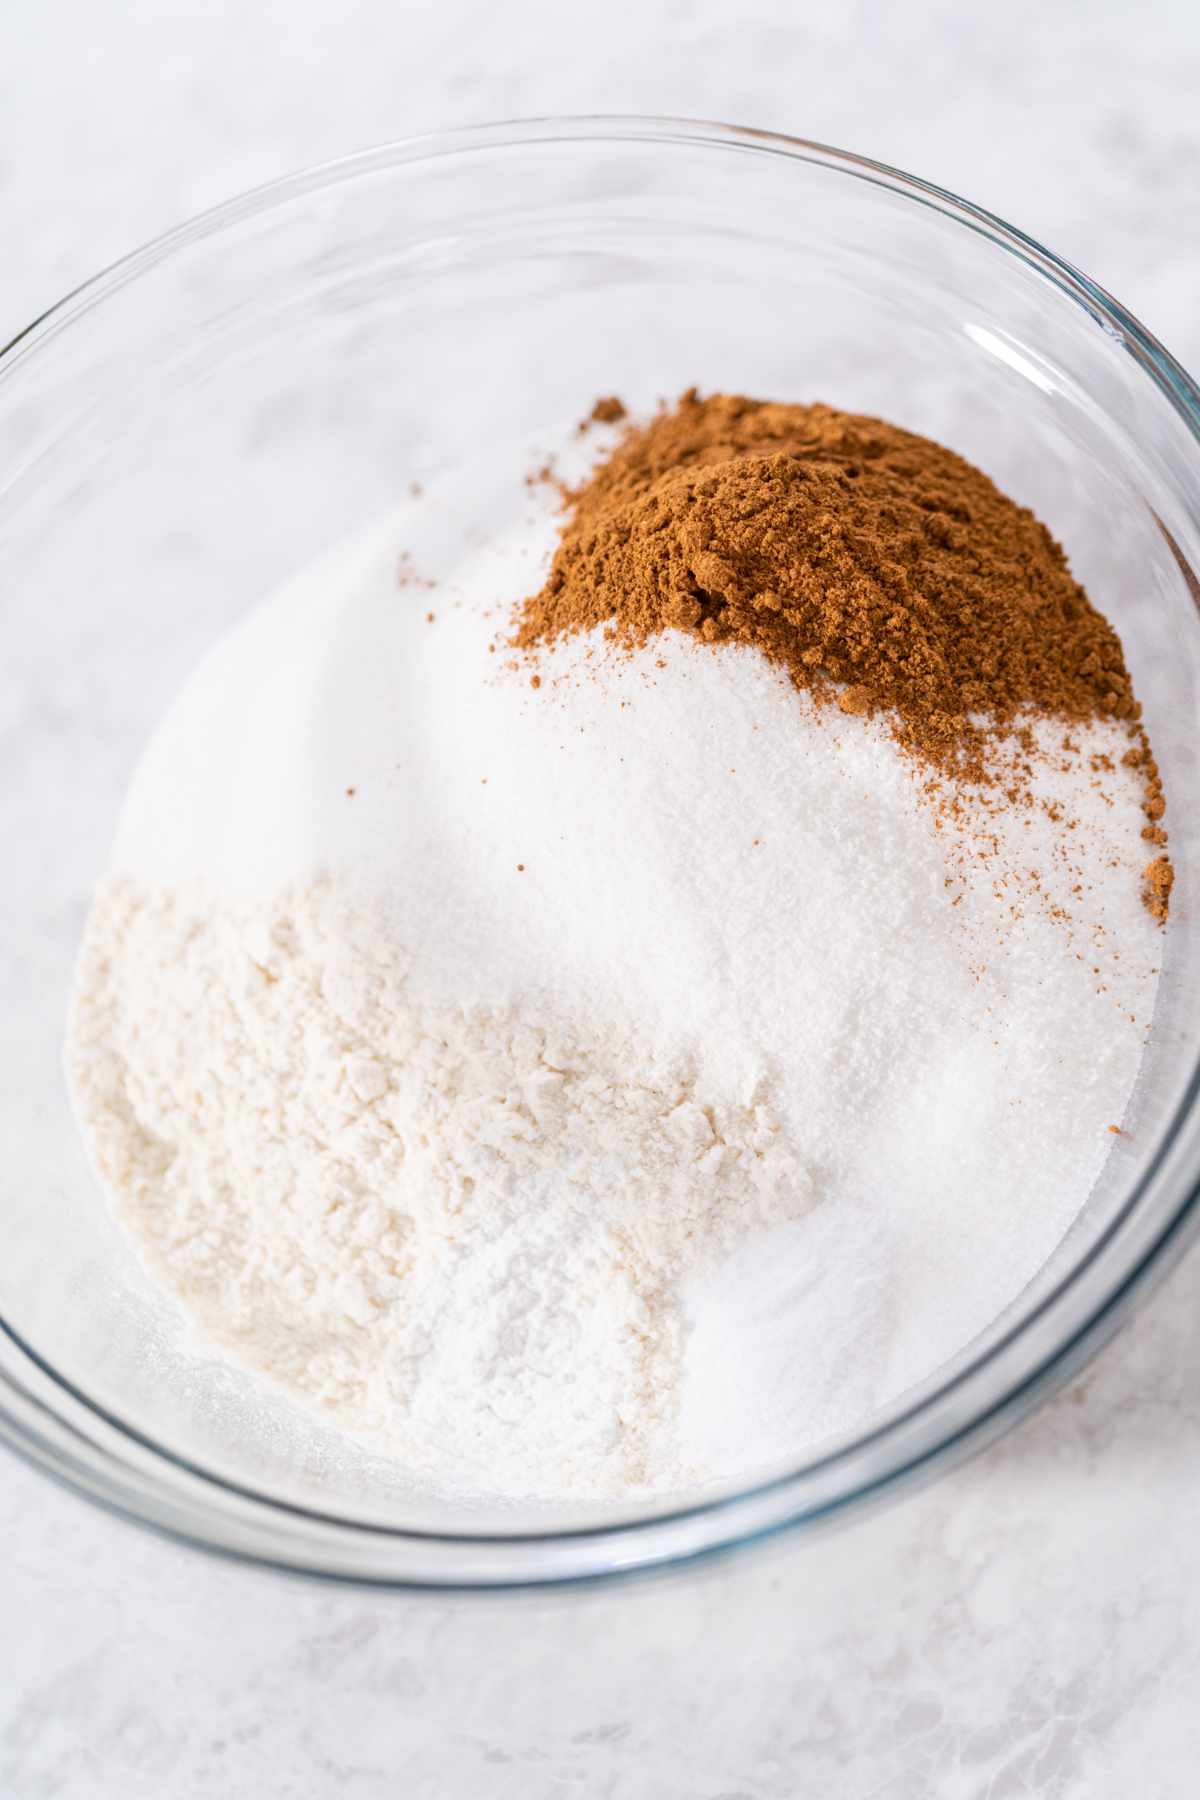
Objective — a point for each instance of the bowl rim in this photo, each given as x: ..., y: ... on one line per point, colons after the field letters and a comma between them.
x: 193, y: 1504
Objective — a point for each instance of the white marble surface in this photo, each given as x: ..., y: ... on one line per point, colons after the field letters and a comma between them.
x: 1029, y: 1626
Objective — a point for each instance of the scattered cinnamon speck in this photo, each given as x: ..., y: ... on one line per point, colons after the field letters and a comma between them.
x: 1158, y: 879
x: 608, y: 410
x: 406, y: 575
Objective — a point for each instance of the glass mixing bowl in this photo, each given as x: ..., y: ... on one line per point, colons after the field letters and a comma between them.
x: 207, y: 416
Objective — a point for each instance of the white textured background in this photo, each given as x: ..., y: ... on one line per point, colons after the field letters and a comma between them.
x: 1029, y: 1627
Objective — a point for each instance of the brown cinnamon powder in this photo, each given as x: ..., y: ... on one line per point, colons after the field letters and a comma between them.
x: 608, y: 410
x: 885, y: 573
x: 1159, y: 879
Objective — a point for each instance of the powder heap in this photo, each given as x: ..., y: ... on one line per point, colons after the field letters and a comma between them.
x: 880, y: 569
x: 615, y: 1084
x: 451, y: 1227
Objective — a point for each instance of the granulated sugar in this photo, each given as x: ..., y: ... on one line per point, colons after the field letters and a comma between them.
x: 615, y: 1083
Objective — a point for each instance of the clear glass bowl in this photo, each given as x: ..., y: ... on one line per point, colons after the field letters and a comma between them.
x: 208, y: 415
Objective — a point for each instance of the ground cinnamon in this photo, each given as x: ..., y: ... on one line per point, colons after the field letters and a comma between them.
x: 885, y: 573
x: 1159, y: 879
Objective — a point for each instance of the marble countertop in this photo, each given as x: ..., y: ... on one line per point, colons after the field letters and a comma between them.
x: 1029, y: 1625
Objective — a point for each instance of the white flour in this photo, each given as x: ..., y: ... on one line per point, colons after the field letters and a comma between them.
x: 627, y: 1083
x: 457, y: 1227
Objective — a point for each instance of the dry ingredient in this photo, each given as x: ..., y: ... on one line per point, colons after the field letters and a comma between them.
x: 881, y: 570
x: 450, y: 1226
x: 619, y: 1079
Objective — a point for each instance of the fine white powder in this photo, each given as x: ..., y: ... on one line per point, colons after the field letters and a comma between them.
x: 456, y: 1227
x: 623, y: 1084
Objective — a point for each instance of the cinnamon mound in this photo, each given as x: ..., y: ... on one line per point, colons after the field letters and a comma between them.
x: 880, y: 569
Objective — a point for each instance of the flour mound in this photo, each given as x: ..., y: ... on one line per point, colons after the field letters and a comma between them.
x: 459, y: 1230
